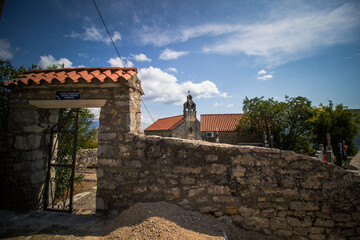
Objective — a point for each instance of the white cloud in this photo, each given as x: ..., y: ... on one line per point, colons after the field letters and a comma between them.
x: 261, y: 72
x: 115, y: 62
x: 84, y: 55
x: 265, y: 77
x: 140, y: 58
x: 283, y: 37
x: 172, y: 69
x: 230, y: 105
x: 129, y: 63
x: 217, y: 104
x: 160, y: 86
x: 96, y: 35
x: 293, y: 36
x: 169, y: 54
x: 46, y: 61
x: 96, y: 112
x: 6, y: 51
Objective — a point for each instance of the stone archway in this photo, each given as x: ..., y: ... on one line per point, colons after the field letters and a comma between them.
x: 36, y: 97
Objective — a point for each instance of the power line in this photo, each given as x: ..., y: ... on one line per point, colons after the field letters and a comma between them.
x: 109, y: 33
x: 120, y: 57
x: 149, y: 114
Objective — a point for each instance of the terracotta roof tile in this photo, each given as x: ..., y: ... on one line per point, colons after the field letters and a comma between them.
x: 49, y: 76
x: 165, y: 123
x: 219, y: 122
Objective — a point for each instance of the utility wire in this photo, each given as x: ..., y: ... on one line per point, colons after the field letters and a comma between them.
x: 109, y: 33
x: 120, y: 57
x: 149, y: 114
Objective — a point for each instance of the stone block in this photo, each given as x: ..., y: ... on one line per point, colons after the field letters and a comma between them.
x: 247, y: 211
x: 341, y: 217
x: 232, y: 210
x: 219, y: 190
x: 238, y: 172
x: 303, y: 206
x: 187, y: 170
x: 294, y: 222
x: 268, y: 212
x: 195, y: 191
x: 135, y: 164
x: 312, y: 184
x: 257, y: 222
x: 187, y: 180
x: 277, y: 223
x: 211, y: 158
x: 324, y: 222
x: 202, y: 199
x: 316, y: 230
x: 355, y: 216
x: 218, y: 169
x: 27, y: 142
x: 317, y: 236
x: 105, y: 151
x: 301, y: 231
x: 37, y: 164
x: 224, y: 199
x: 285, y: 233
x: 37, y: 177
x: 138, y: 190
x: 33, y: 128
x: 219, y: 214
x: 106, y: 136
x: 172, y: 194
x: 208, y: 209
x: 246, y: 160
x: 306, y: 222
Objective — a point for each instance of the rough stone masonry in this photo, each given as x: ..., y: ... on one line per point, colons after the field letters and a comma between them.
x: 261, y: 189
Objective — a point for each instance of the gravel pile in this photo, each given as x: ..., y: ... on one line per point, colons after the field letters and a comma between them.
x: 161, y: 220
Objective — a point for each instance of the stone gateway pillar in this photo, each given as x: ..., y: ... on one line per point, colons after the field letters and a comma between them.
x: 36, y: 97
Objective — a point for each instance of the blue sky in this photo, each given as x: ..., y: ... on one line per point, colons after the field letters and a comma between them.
x: 221, y: 51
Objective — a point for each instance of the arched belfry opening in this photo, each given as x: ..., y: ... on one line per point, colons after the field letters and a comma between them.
x: 36, y: 97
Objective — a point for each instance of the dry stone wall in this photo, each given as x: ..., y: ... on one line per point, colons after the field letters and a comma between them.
x: 266, y: 190
x: 86, y: 158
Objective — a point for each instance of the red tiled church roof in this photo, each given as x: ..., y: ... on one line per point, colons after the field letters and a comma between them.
x: 219, y: 122
x: 165, y: 123
x: 81, y: 75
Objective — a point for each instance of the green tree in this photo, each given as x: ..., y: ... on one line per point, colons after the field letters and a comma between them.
x: 295, y: 134
x: 341, y: 122
x: 262, y: 116
x: 7, y: 72
x: 87, y: 136
x: 285, y: 121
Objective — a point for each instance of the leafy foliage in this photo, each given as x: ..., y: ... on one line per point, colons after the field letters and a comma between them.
x: 341, y: 122
x: 298, y: 126
x: 7, y: 72
x: 85, y: 138
x: 283, y: 120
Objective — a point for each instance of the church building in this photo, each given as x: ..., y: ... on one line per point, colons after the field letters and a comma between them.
x: 184, y: 126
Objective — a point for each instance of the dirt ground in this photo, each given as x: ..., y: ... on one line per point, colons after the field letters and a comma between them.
x: 159, y: 220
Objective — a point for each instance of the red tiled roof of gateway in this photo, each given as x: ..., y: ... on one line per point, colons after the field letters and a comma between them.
x: 76, y: 75
x: 165, y: 123
x: 219, y: 122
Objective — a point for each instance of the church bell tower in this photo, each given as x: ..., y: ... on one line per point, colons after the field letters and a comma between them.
x: 190, y: 117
